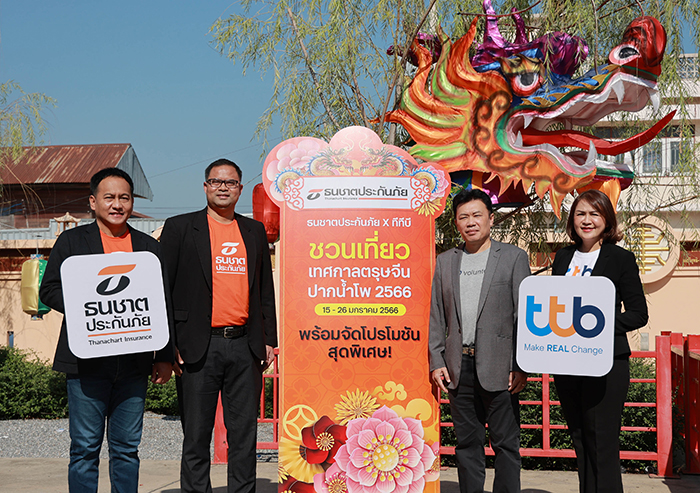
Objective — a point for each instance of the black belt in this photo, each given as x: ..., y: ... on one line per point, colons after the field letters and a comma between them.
x: 469, y: 350
x: 229, y: 332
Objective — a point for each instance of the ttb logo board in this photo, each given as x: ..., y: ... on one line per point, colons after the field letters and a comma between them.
x: 356, y: 260
x: 566, y: 325
x: 115, y: 304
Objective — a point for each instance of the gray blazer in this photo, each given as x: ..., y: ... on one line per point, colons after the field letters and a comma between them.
x: 496, y: 324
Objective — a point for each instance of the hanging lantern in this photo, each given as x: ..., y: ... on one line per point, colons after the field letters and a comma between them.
x: 32, y: 274
x: 267, y: 212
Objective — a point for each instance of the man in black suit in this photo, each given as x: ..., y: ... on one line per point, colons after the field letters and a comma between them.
x: 112, y: 387
x: 220, y: 274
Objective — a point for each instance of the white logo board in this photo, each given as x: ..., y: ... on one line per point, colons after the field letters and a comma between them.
x: 114, y: 304
x: 566, y: 325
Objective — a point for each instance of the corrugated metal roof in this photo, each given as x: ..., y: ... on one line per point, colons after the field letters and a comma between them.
x: 145, y: 225
x: 75, y: 164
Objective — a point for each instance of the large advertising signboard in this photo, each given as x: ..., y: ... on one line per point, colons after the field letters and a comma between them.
x: 115, y: 304
x: 566, y: 325
x: 356, y: 258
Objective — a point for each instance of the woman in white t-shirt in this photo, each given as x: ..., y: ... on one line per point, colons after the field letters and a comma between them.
x: 593, y: 405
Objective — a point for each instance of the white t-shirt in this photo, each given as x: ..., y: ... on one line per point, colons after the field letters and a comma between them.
x: 582, y: 263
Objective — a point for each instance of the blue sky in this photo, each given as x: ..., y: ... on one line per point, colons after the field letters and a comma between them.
x: 141, y: 72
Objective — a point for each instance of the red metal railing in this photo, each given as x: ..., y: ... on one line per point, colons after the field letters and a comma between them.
x: 691, y: 393
x: 677, y: 382
x: 547, y: 426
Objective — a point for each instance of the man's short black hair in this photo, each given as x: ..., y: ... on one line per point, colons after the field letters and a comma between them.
x: 222, y: 162
x: 106, y: 173
x: 467, y: 196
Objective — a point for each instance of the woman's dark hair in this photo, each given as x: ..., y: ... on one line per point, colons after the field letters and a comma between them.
x: 601, y: 203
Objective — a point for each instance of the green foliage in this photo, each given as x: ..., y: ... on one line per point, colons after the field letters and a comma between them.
x: 269, y: 402
x: 532, y: 438
x: 21, y: 119
x: 639, y: 416
x: 329, y: 58
x: 162, y: 399
x: 446, y: 234
x: 29, y: 388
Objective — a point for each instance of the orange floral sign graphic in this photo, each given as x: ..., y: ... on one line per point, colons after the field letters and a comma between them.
x: 356, y: 260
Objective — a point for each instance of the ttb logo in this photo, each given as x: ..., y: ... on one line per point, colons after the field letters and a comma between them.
x: 566, y: 325
x: 575, y: 311
x: 103, y: 287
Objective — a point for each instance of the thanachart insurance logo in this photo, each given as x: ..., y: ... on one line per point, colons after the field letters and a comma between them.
x: 113, y: 271
x: 361, y: 192
x: 566, y: 325
x: 314, y: 194
x: 232, y: 260
x: 229, y: 248
x: 114, y: 303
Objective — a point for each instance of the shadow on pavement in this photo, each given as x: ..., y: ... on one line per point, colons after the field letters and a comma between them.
x: 262, y: 485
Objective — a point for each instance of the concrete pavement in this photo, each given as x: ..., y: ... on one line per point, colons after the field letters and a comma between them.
x: 19, y: 475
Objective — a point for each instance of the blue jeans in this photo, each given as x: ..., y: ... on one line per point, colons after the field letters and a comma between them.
x: 119, y: 396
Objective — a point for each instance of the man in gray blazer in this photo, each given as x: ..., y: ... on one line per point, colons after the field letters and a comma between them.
x: 473, y: 317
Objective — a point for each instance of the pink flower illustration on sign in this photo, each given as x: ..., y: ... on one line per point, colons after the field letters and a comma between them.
x: 385, y: 454
x: 333, y: 480
x: 433, y: 472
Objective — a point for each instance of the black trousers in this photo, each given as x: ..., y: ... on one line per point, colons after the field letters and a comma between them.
x: 593, y: 410
x: 229, y: 367
x: 472, y: 407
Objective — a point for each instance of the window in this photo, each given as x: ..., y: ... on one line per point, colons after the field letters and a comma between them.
x: 661, y: 156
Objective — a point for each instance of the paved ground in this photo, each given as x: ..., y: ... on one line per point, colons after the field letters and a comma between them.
x: 162, y: 476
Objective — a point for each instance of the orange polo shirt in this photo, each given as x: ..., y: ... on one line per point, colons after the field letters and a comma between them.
x: 112, y: 244
x: 229, y: 273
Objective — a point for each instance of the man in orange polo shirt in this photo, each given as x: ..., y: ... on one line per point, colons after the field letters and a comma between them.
x: 220, y: 274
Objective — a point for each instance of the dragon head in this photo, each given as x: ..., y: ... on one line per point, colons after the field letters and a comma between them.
x: 509, y: 112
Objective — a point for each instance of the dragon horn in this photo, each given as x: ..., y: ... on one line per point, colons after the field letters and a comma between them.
x: 492, y: 36
x: 471, y: 34
x: 520, y: 34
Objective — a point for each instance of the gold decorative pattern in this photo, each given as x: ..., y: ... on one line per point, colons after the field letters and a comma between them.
x: 657, y: 248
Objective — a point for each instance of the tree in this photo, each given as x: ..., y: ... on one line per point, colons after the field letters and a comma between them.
x: 329, y: 59
x: 21, y: 119
x: 331, y: 69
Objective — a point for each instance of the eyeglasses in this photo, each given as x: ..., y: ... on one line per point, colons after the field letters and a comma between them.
x: 216, y: 183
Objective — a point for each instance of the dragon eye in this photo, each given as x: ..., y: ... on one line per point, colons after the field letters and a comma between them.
x: 526, y: 83
x: 622, y: 55
x: 627, y: 52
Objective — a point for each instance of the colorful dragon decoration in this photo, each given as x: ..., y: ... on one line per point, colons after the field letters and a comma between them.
x: 491, y: 114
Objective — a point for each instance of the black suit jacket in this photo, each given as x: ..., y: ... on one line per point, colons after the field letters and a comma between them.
x: 86, y: 240
x: 187, y: 260
x: 620, y: 266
